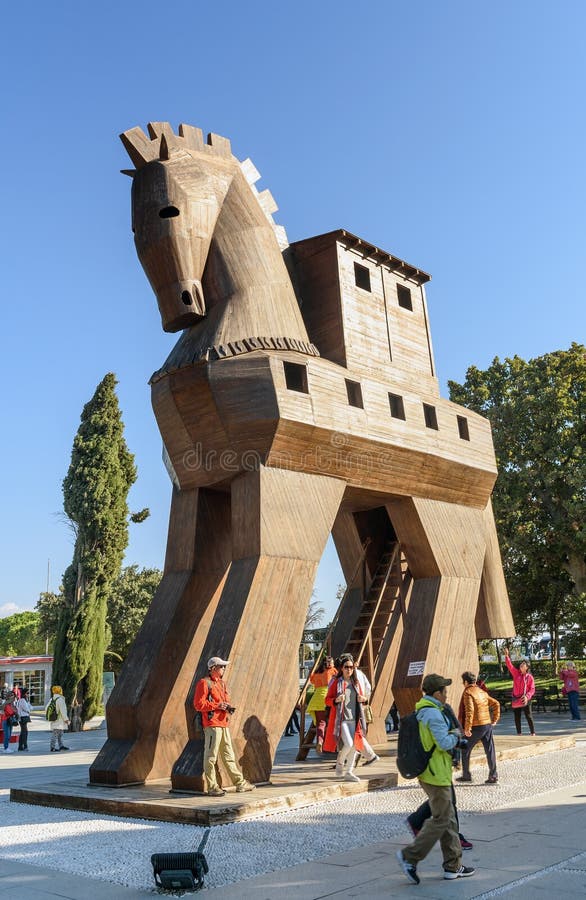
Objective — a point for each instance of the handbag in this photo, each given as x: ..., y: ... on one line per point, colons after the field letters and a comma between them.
x: 519, y: 702
x: 368, y: 716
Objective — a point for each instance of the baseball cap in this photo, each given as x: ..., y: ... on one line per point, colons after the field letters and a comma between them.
x: 216, y: 661
x: 433, y: 683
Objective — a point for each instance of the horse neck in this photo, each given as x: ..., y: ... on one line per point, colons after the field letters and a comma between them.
x: 245, y: 273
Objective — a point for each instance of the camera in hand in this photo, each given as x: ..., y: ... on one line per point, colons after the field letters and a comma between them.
x: 456, y: 752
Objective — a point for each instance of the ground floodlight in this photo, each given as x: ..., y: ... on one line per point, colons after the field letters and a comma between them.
x: 179, y: 871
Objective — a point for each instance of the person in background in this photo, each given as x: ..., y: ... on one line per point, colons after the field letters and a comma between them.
x: 8, y: 712
x: 523, y: 691
x: 394, y: 717
x: 316, y: 707
x: 436, y: 780
x: 24, y: 710
x: 481, y: 712
x: 293, y: 724
x: 571, y: 688
x: 211, y: 699
x: 59, y: 724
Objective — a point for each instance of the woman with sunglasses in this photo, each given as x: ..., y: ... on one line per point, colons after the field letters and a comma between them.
x: 346, y: 729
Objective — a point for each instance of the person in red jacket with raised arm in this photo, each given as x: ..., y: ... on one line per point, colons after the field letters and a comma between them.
x: 523, y: 690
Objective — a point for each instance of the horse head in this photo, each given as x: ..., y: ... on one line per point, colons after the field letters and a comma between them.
x: 179, y: 185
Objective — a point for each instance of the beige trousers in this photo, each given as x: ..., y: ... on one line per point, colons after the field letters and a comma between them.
x: 218, y: 743
x: 442, y: 827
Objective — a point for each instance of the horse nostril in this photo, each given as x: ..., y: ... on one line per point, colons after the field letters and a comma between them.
x: 186, y: 297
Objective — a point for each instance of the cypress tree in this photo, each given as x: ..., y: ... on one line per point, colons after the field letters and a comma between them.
x: 95, y: 492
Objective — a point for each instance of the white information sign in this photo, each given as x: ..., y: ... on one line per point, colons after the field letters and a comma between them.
x: 416, y: 668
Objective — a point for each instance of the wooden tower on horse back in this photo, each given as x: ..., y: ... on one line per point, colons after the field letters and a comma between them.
x: 300, y: 400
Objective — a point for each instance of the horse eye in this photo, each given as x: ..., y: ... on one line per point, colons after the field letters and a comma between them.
x: 168, y: 212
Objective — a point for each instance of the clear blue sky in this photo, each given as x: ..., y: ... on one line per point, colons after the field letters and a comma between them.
x: 451, y: 134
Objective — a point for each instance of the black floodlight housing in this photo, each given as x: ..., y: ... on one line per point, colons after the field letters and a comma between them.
x: 179, y: 871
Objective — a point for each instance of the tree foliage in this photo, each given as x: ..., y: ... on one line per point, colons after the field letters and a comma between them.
x: 19, y: 635
x: 538, y: 416
x: 129, y: 600
x: 49, y: 606
x: 95, y: 492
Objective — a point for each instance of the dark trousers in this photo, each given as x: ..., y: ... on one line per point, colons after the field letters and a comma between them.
x: 573, y: 703
x: 23, y: 738
x: 423, y: 812
x: 527, y: 710
x: 292, y: 724
x: 480, y: 733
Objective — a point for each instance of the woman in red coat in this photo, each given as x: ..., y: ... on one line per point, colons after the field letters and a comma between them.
x: 346, y: 725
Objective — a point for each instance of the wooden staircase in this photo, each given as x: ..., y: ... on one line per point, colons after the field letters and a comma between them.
x: 386, y: 591
x: 384, y: 603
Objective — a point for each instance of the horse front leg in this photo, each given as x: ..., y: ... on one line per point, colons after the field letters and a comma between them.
x: 146, y: 718
x: 281, y: 521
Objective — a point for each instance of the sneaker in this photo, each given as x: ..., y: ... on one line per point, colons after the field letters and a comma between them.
x: 409, y: 869
x: 464, y: 844
x: 63, y: 748
x: 374, y: 759
x: 414, y: 831
x: 350, y: 776
x: 216, y: 792
x: 245, y: 786
x: 339, y: 772
x: 462, y: 872
x: 492, y: 779
x: 464, y: 778
x: 55, y: 749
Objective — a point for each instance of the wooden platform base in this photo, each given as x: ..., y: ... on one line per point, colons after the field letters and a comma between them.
x: 293, y: 785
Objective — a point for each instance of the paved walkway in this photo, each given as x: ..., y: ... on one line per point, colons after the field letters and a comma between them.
x: 528, y: 847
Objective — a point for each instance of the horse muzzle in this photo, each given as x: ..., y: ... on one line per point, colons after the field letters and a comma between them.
x: 181, y: 305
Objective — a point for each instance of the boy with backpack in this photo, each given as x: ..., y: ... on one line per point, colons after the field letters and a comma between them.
x: 438, y: 740
x: 56, y: 715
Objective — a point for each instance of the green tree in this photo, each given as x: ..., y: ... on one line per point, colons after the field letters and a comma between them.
x: 49, y: 607
x: 129, y: 600
x: 95, y: 492
x: 538, y: 418
x: 19, y: 635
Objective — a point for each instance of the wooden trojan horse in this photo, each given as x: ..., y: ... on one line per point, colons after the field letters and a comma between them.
x: 300, y: 400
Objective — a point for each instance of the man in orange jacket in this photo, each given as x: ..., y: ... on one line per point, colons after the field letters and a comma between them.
x: 481, y: 712
x: 212, y: 701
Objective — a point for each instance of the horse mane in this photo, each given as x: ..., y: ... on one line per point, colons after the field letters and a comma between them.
x: 162, y: 143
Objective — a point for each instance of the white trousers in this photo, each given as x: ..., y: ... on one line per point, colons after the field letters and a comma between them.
x: 347, y: 756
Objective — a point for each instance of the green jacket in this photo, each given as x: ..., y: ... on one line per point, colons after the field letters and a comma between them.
x: 434, y: 730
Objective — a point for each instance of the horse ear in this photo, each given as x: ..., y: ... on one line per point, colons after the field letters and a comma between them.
x: 164, y: 148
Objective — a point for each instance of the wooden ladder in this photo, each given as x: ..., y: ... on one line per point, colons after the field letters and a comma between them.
x: 371, y: 627
x: 307, y: 738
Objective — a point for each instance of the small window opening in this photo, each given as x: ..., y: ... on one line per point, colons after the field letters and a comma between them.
x: 430, y: 416
x: 463, y: 428
x: 362, y: 277
x: 354, y: 392
x: 397, y: 406
x: 296, y: 377
x: 168, y: 212
x: 404, y: 297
